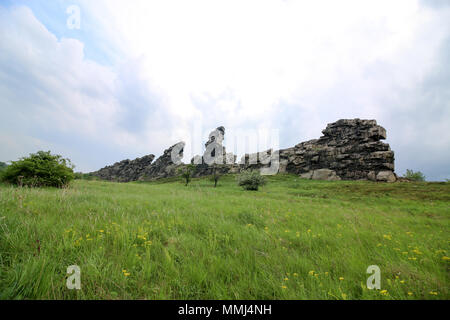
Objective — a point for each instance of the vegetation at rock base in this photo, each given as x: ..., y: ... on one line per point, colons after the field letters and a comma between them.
x: 251, y: 180
x: 293, y: 239
x: 414, y: 176
x: 186, y: 173
x: 215, y: 175
x: 40, y: 169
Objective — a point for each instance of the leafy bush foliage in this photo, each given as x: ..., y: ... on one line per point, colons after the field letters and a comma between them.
x: 251, y: 180
x: 414, y: 176
x: 41, y: 169
x: 186, y: 172
x: 3, y: 167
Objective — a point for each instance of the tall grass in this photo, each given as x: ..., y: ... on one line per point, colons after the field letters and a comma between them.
x: 293, y: 239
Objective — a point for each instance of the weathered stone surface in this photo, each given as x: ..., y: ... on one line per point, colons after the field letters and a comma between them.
x: 126, y: 170
x: 386, y: 176
x: 166, y: 165
x: 325, y: 174
x: 349, y: 149
x: 215, y: 155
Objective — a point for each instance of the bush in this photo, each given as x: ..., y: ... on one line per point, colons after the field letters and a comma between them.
x: 3, y: 167
x: 251, y: 180
x: 41, y: 169
x: 186, y: 172
x: 414, y: 176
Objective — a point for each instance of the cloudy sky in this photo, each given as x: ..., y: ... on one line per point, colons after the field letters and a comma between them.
x: 139, y: 76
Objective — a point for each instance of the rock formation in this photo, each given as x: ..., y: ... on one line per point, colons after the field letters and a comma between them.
x: 349, y: 149
x: 166, y: 165
x: 215, y: 155
x: 126, y: 170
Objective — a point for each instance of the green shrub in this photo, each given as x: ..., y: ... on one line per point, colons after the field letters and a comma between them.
x: 251, y: 180
x: 186, y: 172
x: 414, y: 176
x: 3, y: 167
x: 41, y: 169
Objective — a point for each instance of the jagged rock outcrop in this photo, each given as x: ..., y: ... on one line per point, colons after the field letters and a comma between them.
x: 166, y: 165
x: 126, y: 170
x: 215, y: 155
x: 349, y: 149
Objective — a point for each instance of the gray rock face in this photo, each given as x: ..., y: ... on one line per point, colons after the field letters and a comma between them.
x: 324, y: 174
x: 126, y: 170
x: 387, y: 176
x: 215, y: 155
x: 166, y: 165
x: 349, y: 149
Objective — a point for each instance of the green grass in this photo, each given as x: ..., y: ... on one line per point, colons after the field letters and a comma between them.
x: 293, y: 239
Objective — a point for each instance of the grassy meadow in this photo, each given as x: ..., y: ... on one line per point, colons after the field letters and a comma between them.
x: 292, y: 239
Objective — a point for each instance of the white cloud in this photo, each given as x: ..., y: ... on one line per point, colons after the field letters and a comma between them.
x: 49, y: 90
x: 289, y: 65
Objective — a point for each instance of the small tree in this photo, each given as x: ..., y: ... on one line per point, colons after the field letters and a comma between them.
x: 216, y: 175
x: 41, y: 169
x: 414, y: 176
x: 251, y: 180
x: 186, y: 172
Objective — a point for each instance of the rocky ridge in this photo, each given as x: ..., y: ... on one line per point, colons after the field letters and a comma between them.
x: 350, y: 149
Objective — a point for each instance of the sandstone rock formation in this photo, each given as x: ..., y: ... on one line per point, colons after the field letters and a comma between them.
x: 349, y: 149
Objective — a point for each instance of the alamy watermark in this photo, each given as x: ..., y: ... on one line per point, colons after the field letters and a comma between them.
x: 374, y: 281
x: 74, y: 19
x: 74, y: 280
x: 258, y: 147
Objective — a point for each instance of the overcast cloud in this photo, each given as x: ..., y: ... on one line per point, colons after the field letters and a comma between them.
x: 138, y: 78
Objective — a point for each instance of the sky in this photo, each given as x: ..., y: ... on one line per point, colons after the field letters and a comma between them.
x: 137, y: 77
